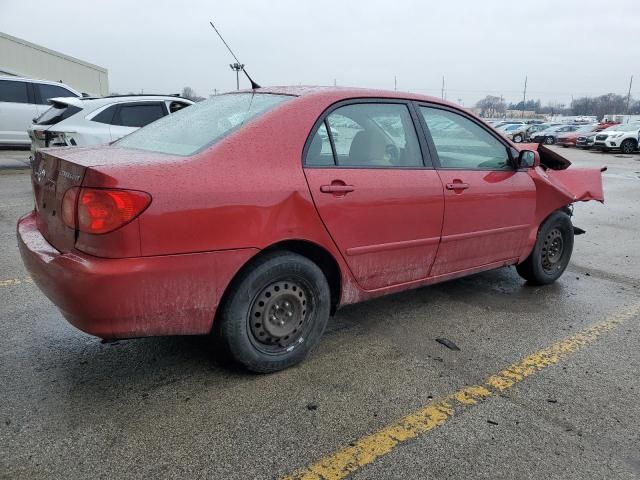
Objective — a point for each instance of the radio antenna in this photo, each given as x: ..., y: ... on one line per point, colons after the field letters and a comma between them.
x: 236, y: 66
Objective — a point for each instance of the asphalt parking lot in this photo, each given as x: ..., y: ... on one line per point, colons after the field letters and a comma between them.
x: 545, y: 382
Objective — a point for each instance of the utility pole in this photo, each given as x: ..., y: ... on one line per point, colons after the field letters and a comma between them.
x: 395, y: 83
x: 334, y: 82
x: 629, y: 94
x: 524, y: 95
x: 442, y: 93
x: 237, y: 67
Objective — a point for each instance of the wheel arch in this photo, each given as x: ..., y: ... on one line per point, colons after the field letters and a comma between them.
x: 310, y: 250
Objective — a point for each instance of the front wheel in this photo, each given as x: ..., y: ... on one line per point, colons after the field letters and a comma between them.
x: 517, y: 138
x: 549, y: 140
x: 628, y: 146
x: 275, y: 313
x: 552, y: 251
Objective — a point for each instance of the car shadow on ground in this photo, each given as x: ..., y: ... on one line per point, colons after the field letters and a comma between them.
x: 149, y: 363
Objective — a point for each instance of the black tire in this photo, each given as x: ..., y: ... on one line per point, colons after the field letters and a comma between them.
x: 549, y: 140
x: 517, y: 138
x: 292, y: 295
x: 628, y: 146
x: 552, y: 251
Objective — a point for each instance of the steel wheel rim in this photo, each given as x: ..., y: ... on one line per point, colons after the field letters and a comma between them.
x: 552, y: 251
x: 517, y: 139
x: 279, y: 316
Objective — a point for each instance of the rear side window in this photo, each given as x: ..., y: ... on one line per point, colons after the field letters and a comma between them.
x: 319, y: 152
x: 52, y: 91
x: 374, y: 135
x: 139, y: 114
x: 175, y: 106
x: 57, y: 113
x: 106, y: 116
x: 194, y: 128
x: 14, y: 92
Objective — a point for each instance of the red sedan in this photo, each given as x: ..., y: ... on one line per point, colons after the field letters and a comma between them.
x: 255, y: 215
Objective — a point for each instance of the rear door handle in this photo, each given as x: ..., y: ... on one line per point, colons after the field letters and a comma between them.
x: 336, y: 188
x: 457, y: 186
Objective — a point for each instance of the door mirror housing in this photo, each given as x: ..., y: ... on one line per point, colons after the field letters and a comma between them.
x: 528, y: 159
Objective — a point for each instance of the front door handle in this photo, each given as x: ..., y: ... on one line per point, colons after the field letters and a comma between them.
x: 457, y: 186
x: 337, y: 188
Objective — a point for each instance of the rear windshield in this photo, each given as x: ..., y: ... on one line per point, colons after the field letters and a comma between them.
x: 57, y: 113
x: 194, y: 128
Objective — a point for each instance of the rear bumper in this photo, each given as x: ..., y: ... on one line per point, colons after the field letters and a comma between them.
x: 130, y: 297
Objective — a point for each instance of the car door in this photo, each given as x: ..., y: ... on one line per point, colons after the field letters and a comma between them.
x: 489, y: 205
x: 376, y: 192
x: 17, y: 111
x: 133, y: 115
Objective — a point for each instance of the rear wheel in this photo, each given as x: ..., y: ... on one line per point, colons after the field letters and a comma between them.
x: 552, y: 251
x: 549, y: 140
x: 628, y: 146
x: 275, y: 313
x: 517, y: 138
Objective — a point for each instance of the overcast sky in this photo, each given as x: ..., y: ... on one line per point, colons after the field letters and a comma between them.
x: 565, y: 47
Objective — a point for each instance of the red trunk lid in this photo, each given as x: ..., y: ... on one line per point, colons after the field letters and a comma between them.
x: 51, y: 177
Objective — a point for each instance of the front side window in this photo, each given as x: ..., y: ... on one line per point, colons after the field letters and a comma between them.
x: 463, y: 144
x: 14, y: 92
x: 374, y: 135
x: 52, y: 91
x: 192, y: 129
x: 138, y: 114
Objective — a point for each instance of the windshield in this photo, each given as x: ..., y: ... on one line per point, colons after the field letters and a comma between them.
x: 57, y: 113
x: 201, y: 125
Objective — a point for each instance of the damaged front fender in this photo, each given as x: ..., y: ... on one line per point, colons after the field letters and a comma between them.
x: 558, y: 186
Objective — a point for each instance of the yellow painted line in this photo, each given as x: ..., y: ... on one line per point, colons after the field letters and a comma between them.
x: 14, y: 281
x: 366, y: 450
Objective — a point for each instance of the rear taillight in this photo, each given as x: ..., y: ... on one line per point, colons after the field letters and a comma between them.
x: 98, y: 210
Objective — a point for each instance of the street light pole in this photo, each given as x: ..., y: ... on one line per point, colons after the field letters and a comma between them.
x: 237, y: 67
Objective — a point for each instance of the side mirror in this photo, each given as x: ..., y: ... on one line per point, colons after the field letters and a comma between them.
x: 527, y: 159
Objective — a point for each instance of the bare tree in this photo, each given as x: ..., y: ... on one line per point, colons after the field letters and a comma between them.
x: 190, y: 93
x: 490, y: 106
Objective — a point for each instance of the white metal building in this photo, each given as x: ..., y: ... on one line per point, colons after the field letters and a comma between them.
x: 26, y: 59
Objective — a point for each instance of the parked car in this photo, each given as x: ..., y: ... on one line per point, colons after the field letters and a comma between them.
x: 22, y: 100
x: 569, y: 139
x: 585, y: 141
x: 550, y: 135
x: 618, y: 137
x: 90, y: 121
x: 507, y: 122
x: 515, y: 132
x: 532, y: 129
x: 218, y: 220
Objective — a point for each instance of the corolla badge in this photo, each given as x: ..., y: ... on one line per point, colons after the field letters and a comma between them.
x: 40, y: 174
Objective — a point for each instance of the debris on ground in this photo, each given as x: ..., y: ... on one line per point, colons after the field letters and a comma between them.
x: 447, y: 343
x: 491, y: 422
x: 312, y: 406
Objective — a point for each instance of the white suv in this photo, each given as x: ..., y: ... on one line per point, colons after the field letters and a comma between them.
x: 90, y: 121
x: 625, y: 137
x: 22, y: 100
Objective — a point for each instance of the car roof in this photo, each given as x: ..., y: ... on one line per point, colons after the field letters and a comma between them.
x: 35, y: 80
x: 95, y: 102
x: 345, y: 93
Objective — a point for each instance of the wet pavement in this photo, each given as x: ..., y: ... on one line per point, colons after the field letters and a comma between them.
x: 72, y: 407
